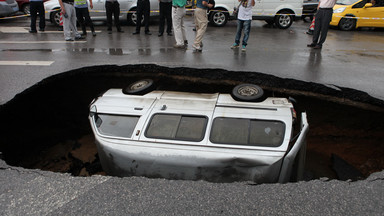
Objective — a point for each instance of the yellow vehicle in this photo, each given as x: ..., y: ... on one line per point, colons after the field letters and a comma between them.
x: 352, y: 14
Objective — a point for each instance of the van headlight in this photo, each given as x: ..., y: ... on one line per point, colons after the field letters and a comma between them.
x: 339, y: 10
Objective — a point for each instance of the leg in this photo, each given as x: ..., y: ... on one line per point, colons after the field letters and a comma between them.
x: 240, y: 24
x: 139, y: 13
x: 177, y: 20
x: 147, y: 11
x: 80, y: 19
x: 247, y: 30
x: 108, y: 9
x: 162, y: 7
x: 41, y: 11
x: 168, y: 10
x: 316, y: 31
x: 182, y: 13
x: 88, y: 20
x: 33, y: 10
x: 116, y: 13
x: 201, y: 22
x: 325, y: 26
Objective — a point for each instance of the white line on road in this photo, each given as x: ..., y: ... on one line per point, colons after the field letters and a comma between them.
x: 33, y: 63
x: 39, y: 42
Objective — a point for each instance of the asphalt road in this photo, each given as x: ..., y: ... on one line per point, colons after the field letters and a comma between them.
x: 348, y: 59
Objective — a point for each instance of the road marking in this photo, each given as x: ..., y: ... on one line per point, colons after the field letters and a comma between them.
x: 39, y: 42
x: 26, y: 30
x: 29, y: 63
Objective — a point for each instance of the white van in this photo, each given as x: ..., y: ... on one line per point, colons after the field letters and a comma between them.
x: 193, y: 136
x: 280, y: 12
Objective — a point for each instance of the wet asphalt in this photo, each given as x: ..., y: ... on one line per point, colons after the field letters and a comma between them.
x: 348, y: 59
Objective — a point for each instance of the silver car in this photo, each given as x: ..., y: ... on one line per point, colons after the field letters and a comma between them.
x: 8, y: 7
x: 127, y: 10
x: 193, y: 136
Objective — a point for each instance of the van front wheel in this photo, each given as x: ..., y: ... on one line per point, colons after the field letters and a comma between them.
x: 283, y: 20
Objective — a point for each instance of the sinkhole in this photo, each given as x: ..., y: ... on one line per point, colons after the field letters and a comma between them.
x: 46, y: 127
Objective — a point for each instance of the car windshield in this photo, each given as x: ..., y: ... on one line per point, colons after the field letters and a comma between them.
x: 346, y: 2
x: 116, y: 125
x: 177, y: 127
x: 250, y: 132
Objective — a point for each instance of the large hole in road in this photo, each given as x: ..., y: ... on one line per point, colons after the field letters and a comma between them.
x: 46, y: 127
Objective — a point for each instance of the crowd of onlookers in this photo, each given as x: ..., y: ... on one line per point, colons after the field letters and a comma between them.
x: 172, y: 13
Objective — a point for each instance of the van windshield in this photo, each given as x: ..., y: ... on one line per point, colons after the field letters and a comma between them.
x: 116, y: 125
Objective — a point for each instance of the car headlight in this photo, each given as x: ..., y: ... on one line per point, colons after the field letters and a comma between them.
x: 339, y: 10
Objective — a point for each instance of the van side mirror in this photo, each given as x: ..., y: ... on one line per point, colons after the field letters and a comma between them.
x: 368, y: 5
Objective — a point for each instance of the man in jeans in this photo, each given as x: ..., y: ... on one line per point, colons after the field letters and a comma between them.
x: 178, y: 12
x: 244, y: 19
x: 322, y: 19
x: 201, y: 22
x: 37, y: 6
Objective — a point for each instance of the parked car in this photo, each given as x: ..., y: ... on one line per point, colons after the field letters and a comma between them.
x: 8, y: 7
x: 24, y: 6
x: 217, y: 137
x: 127, y: 8
x: 282, y: 13
x: 352, y: 14
x: 309, y: 9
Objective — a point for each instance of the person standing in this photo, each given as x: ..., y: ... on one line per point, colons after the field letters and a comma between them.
x: 178, y: 12
x: 37, y: 6
x: 69, y: 20
x: 244, y: 19
x: 143, y: 8
x: 165, y: 14
x: 82, y: 13
x: 322, y: 19
x: 113, y: 7
x: 201, y: 22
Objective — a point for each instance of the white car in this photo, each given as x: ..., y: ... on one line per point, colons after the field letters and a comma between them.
x: 127, y: 10
x: 280, y: 12
x: 194, y: 136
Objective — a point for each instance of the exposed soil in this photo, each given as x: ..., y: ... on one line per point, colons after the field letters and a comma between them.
x: 46, y: 127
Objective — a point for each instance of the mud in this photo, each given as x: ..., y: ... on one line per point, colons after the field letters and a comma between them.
x: 46, y: 127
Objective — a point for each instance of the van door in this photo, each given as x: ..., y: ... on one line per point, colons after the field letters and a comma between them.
x: 257, y: 10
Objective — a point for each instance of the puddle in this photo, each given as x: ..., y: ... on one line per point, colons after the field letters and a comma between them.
x: 46, y: 127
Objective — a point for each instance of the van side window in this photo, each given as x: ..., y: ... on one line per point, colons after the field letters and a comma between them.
x: 116, y: 125
x: 177, y: 127
x: 249, y: 132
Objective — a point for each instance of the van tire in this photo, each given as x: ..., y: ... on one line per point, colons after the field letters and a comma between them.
x: 248, y: 92
x: 132, y: 17
x: 283, y: 21
x: 140, y: 87
x: 55, y: 17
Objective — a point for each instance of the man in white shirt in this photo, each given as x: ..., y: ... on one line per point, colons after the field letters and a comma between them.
x: 244, y: 19
x: 322, y: 19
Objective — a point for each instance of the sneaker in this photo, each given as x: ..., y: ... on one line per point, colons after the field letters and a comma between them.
x: 177, y: 46
x: 69, y: 39
x: 197, y: 48
x: 93, y: 34
x: 243, y: 49
x: 235, y: 46
x: 32, y: 31
x: 79, y: 37
x: 186, y: 42
x: 311, y: 45
x: 41, y: 30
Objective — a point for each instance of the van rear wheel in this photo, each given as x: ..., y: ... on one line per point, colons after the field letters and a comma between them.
x: 248, y: 92
x: 140, y: 87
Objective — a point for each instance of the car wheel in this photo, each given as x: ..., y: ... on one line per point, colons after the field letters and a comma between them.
x: 283, y: 20
x: 248, y: 92
x: 139, y: 87
x: 132, y: 17
x: 55, y: 17
x: 347, y: 24
x: 219, y: 18
x: 26, y: 9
